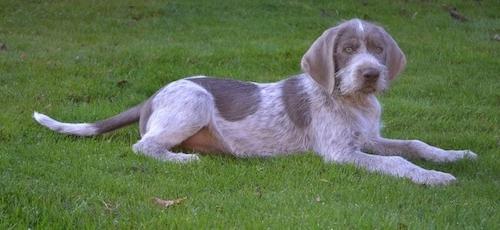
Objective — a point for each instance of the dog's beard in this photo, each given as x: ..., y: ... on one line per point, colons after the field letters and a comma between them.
x: 350, y: 82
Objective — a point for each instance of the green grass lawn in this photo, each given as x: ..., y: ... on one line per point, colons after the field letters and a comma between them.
x: 87, y: 60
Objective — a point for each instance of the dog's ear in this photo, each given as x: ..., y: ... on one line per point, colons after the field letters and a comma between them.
x: 396, y: 60
x: 318, y: 60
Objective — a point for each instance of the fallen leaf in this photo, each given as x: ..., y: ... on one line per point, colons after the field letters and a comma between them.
x: 453, y: 11
x: 324, y: 180
x: 457, y: 15
x: 414, y: 15
x: 3, y: 47
x: 258, y: 192
x: 496, y: 37
x: 121, y: 83
x: 402, y: 226
x: 109, y: 206
x: 318, y: 199
x: 168, y: 203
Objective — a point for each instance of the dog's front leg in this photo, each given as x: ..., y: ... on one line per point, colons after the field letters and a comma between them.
x: 391, y: 165
x: 416, y: 149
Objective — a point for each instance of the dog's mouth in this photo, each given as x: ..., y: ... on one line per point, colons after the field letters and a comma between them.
x: 369, y: 90
x: 363, y: 90
x: 369, y: 87
x: 374, y: 86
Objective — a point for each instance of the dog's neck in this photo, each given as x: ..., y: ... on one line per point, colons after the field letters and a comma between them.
x: 358, y: 99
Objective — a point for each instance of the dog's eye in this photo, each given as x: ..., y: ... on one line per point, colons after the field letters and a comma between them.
x: 348, y: 50
x: 379, y: 49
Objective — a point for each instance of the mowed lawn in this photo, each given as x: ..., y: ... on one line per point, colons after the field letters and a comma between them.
x: 81, y: 61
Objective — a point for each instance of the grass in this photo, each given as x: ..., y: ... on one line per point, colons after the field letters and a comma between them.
x: 87, y: 60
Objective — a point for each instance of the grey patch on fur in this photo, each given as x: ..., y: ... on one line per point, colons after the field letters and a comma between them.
x: 347, y: 36
x: 234, y: 100
x: 145, y: 113
x: 297, y: 102
x: 125, y: 118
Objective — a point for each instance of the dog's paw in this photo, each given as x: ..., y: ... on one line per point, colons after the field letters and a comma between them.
x: 463, y: 154
x: 433, y: 178
x: 182, y: 158
x: 444, y: 156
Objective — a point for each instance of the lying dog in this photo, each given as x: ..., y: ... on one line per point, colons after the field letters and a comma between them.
x: 330, y: 109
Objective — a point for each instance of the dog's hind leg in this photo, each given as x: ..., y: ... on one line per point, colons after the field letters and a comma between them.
x: 169, y: 129
x: 174, y: 119
x: 154, y: 147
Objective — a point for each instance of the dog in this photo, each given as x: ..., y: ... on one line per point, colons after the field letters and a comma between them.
x: 330, y: 109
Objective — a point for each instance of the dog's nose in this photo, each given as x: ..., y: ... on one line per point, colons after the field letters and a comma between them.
x: 370, y: 74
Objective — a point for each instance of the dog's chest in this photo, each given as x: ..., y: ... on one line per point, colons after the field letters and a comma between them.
x: 347, y: 123
x: 364, y: 120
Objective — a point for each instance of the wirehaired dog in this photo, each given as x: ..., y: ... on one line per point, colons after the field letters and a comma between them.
x: 330, y: 109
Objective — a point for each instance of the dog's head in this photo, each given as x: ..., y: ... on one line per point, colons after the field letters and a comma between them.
x: 354, y: 57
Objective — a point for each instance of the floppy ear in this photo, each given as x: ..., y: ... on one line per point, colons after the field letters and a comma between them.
x: 318, y: 60
x: 396, y: 60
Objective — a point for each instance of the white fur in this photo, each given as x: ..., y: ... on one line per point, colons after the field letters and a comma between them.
x: 360, y: 26
x: 82, y: 129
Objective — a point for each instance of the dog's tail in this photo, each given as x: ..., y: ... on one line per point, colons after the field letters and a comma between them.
x: 91, y: 129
